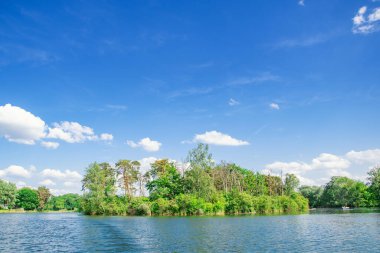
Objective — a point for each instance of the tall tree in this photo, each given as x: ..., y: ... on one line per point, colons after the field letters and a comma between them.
x: 197, y: 178
x: 128, y: 172
x: 43, y: 196
x: 291, y: 183
x: 374, y: 184
x: 109, y: 179
x: 95, y: 185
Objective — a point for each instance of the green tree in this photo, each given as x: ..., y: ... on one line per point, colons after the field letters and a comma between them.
x: 7, y: 195
x: 43, y: 196
x: 313, y: 194
x: 291, y: 184
x: 128, y: 171
x: 374, y: 184
x: 95, y: 185
x: 197, y: 179
x: 167, y: 183
x: 109, y: 179
x: 27, y: 199
x: 343, y: 191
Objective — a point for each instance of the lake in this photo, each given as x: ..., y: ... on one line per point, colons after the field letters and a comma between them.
x: 320, y: 231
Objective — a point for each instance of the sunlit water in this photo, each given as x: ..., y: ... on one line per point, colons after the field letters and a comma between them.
x: 321, y: 231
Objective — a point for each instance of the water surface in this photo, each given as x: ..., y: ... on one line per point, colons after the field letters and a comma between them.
x: 320, y: 231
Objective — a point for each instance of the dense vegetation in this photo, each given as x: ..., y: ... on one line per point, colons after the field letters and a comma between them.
x: 343, y: 191
x: 30, y: 199
x: 202, y: 187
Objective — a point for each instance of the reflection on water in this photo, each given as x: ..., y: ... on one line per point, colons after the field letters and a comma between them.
x: 322, y: 230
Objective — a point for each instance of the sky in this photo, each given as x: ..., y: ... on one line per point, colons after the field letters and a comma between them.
x: 291, y: 86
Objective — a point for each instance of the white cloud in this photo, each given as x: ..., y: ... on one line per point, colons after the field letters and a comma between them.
x: 106, y: 137
x: 301, y: 2
x: 15, y: 170
x: 71, y: 132
x: 233, y: 102
x: 20, y: 126
x: 374, y: 16
x: 67, y: 174
x: 274, y: 106
x: 330, y: 161
x: 291, y: 167
x: 219, y: 139
x: 50, y: 144
x: 367, y: 156
x: 146, y: 143
x: 146, y: 162
x: 363, y: 24
x: 68, y: 184
x: 47, y: 182
x: 325, y: 164
x: 338, y: 172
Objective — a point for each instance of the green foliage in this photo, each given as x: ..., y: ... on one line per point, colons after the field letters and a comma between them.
x: 343, y: 191
x: 167, y: 183
x: 313, y: 194
x: 68, y: 201
x: 7, y: 195
x: 43, y: 197
x: 128, y: 170
x: 374, y: 188
x: 291, y: 184
x: 27, y: 198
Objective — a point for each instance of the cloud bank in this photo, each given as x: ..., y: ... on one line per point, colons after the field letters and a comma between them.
x: 20, y: 126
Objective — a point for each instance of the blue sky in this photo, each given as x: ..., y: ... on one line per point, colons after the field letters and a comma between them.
x: 270, y: 85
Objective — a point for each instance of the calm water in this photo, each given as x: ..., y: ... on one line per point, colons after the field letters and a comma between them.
x: 70, y: 232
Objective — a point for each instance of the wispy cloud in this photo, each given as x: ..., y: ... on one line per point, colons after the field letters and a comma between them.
x: 191, y: 91
x: 264, y: 77
x: 365, y: 24
x: 301, y: 2
x: 22, y: 54
x: 302, y: 42
x: 233, y: 102
x: 117, y: 107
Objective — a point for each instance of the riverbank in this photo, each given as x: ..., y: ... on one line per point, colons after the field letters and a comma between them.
x: 35, y: 211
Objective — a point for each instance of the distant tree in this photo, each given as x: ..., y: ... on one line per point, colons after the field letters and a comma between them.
x: 43, y: 196
x: 128, y: 171
x: 313, y: 194
x: 374, y: 184
x: 7, y: 195
x: 27, y: 199
x: 343, y: 191
x: 291, y: 184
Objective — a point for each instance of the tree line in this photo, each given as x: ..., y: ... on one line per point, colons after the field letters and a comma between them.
x: 201, y: 187
x: 344, y: 191
x: 40, y: 199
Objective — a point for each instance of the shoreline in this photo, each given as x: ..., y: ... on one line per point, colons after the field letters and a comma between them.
x: 35, y: 211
